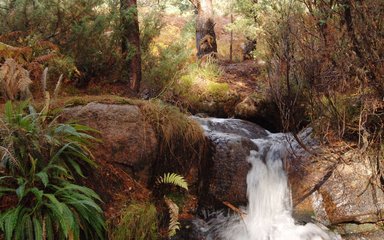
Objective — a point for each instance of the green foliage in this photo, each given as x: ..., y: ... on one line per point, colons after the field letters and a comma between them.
x: 163, y: 62
x: 138, y: 222
x: 179, y: 181
x: 90, y: 45
x: 151, y: 25
x: 41, y: 159
x: 173, y: 179
x: 200, y: 84
x: 86, y: 32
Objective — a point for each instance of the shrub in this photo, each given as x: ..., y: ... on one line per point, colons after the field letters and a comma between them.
x: 86, y: 33
x: 41, y: 159
x: 165, y: 58
x: 321, y: 67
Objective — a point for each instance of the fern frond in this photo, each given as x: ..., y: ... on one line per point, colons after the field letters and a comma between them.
x: 174, y: 224
x: 174, y: 179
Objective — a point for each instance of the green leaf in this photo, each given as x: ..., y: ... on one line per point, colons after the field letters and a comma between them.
x: 8, y: 112
x: 84, y: 190
x: 55, y: 202
x: 43, y: 177
x: 5, y: 190
x: 20, y: 191
x: 48, y: 228
x: 38, y: 194
x: 76, y: 167
x: 38, y: 229
x: 57, y: 215
x: 174, y: 179
x: 28, y: 227
x: 11, y: 222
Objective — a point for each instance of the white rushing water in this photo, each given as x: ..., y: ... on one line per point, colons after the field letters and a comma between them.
x: 268, y: 215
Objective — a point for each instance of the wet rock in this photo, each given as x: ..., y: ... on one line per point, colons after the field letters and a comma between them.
x: 348, y: 194
x: 224, y: 180
x: 339, y: 192
x: 353, y: 228
x: 191, y: 229
x: 370, y: 235
x: 236, y: 127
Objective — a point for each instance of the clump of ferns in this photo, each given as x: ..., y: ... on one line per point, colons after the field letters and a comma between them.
x: 40, y: 160
x: 176, y: 180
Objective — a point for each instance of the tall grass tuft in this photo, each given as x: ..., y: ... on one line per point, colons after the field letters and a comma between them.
x: 182, y: 141
x: 138, y: 222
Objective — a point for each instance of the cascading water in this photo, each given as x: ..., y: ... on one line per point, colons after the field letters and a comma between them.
x: 269, y: 212
x: 268, y: 215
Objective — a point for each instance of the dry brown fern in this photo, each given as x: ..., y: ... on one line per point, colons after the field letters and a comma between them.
x: 174, y: 224
x: 15, y: 80
x: 20, y: 53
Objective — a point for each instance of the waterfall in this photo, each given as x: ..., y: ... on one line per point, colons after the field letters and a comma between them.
x: 268, y: 215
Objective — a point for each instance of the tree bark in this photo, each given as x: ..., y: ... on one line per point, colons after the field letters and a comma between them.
x: 205, y: 29
x: 130, y: 44
x: 231, y: 43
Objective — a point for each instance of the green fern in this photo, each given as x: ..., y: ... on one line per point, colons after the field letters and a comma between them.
x: 174, y: 179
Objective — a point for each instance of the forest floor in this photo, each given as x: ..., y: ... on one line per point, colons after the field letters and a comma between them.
x: 244, y: 77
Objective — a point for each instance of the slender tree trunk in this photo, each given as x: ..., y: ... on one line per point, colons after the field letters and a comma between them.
x: 130, y: 44
x: 205, y: 28
x: 231, y: 43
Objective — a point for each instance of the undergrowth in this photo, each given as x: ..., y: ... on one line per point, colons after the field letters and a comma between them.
x: 138, y: 221
x: 198, y: 89
x: 40, y: 161
x: 182, y: 142
x: 166, y: 57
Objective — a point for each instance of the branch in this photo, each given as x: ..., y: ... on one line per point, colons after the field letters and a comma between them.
x: 194, y: 3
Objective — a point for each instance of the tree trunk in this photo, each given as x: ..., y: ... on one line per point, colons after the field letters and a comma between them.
x: 205, y: 32
x: 231, y: 43
x: 130, y: 44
